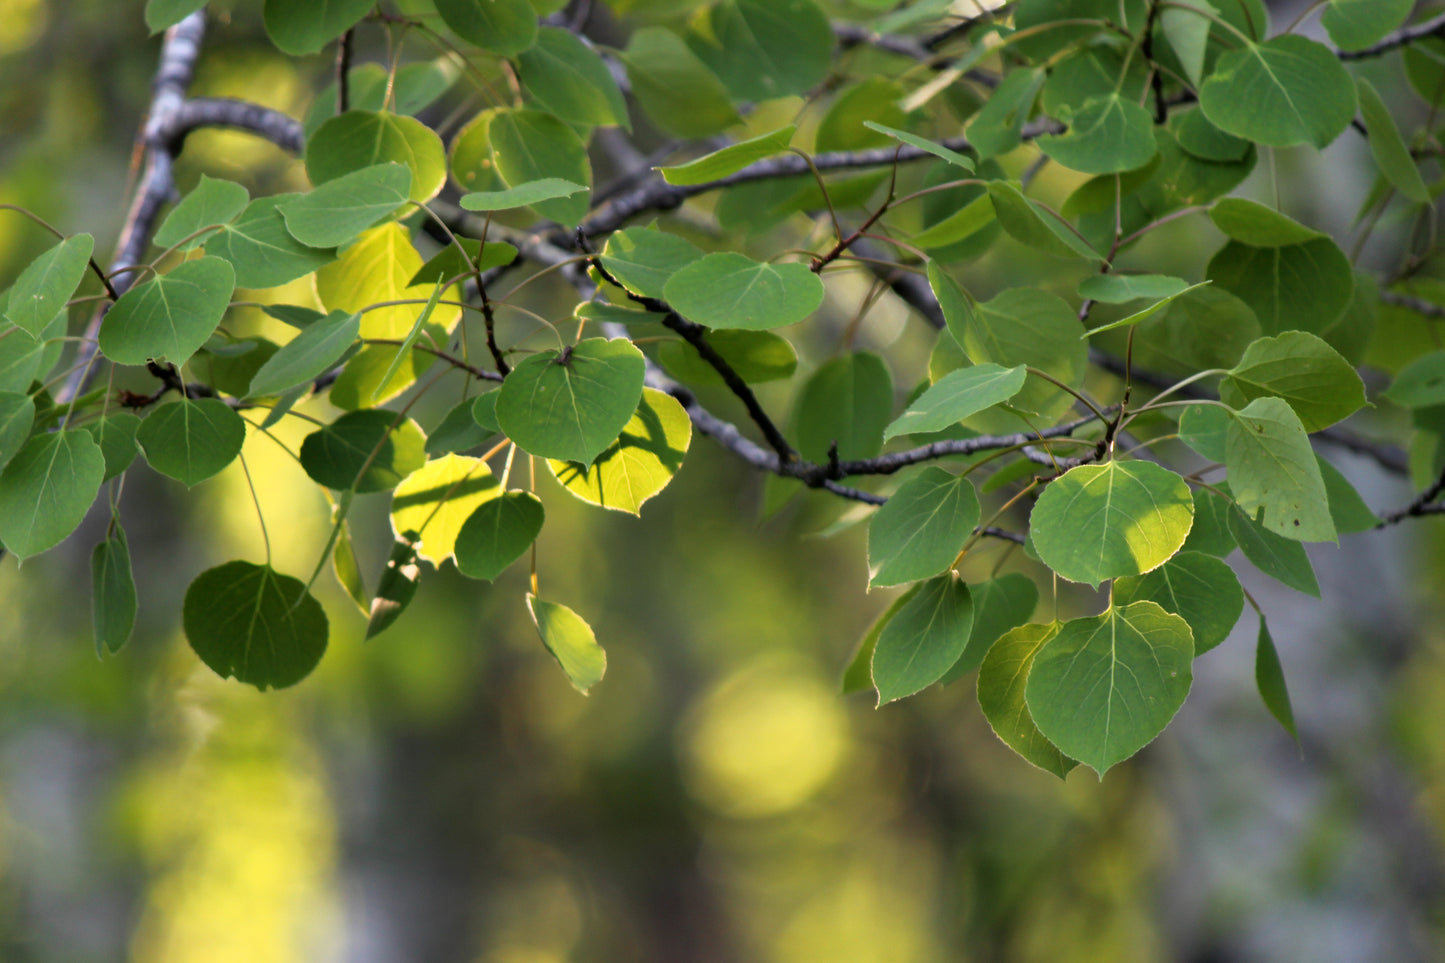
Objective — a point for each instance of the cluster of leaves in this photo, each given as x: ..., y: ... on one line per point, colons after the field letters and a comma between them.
x: 1094, y: 418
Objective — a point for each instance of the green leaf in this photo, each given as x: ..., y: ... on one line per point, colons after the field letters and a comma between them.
x: 572, y: 406
x: 1285, y: 91
x: 395, y: 589
x: 923, y: 143
x: 957, y: 395
x: 1203, y: 141
x: 503, y: 27
x: 756, y: 356
x: 1122, y: 288
x: 169, y: 316
x: 997, y: 128
x: 1301, y: 287
x: 730, y: 159
x: 960, y: 310
x: 1002, y: 680
x: 922, y: 527
x: 1355, y: 25
x: 458, y: 431
x: 17, y: 415
x: 212, y: 201
x: 340, y: 209
x: 308, y: 355
x: 46, y: 490
x: 858, y: 676
x: 843, y: 125
x: 1272, y: 469
x: 1103, y: 687
x: 525, y: 196
x: 964, y: 223
x: 1391, y: 152
x: 571, y: 642
x: 763, y: 49
x: 1187, y: 30
x: 1347, y: 509
x: 846, y: 402
x: 1210, y: 533
x: 1205, y: 428
x: 529, y: 145
x: 262, y: 251
x: 1420, y: 384
x: 161, y: 14
x: 361, y: 139
x: 674, y: 88
x: 192, y: 440
x: 1108, y: 135
x: 431, y: 504
x: 1282, y: 559
x: 639, y: 464
x: 41, y: 290
x: 1250, y: 222
x: 348, y: 568
x: 304, y: 28
x: 115, y: 434
x: 362, y: 451
x: 1030, y: 327
x: 497, y: 533
x: 380, y: 267
x: 1269, y: 678
x: 643, y: 258
x: 571, y: 80
x: 1000, y: 605
x: 20, y: 358
x: 1207, y: 327
x: 1320, y: 385
x: 1143, y: 315
x: 731, y: 290
x: 484, y: 411
x: 251, y: 622
x: 1198, y: 588
x: 1029, y: 224
x: 451, y: 262
x: 410, y: 89
x: 923, y: 640
x: 1097, y: 522
x: 112, y: 594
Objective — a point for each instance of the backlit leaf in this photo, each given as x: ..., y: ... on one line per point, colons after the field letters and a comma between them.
x: 529, y: 145
x: 395, y: 589
x: 573, y: 406
x: 639, y: 464
x: 571, y: 642
x: 430, y: 505
x: 1002, y: 679
x: 730, y: 159
x: 360, y: 139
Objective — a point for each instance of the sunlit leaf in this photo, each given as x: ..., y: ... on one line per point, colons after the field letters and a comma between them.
x: 395, y: 589
x: 360, y: 139
x: 1002, y: 678
x: 431, y: 504
x: 730, y: 159
x: 571, y: 642
x: 639, y: 464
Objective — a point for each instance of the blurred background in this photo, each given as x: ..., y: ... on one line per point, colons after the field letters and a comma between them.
x: 442, y: 794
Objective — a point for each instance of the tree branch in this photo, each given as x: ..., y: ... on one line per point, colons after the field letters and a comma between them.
x: 1405, y: 35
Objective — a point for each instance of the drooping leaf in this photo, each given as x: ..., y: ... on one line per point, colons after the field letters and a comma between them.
x: 1319, y: 385
x: 1421, y: 383
x: 169, y: 316
x: 261, y: 250
x: 846, y: 123
x: 530, y: 145
x: 755, y: 356
x: 963, y: 224
x: 1269, y: 679
x: 731, y: 290
x: 361, y: 139
x: 960, y: 310
x: 1198, y: 588
x: 923, y: 143
x: 250, y: 622
x: 347, y: 568
x: 571, y: 80
x: 1002, y: 679
x: 957, y: 395
x: 846, y: 402
x: 112, y: 594
x: 763, y: 49
x: 46, y: 490
x: 451, y: 262
x: 1108, y: 135
x: 1391, y: 152
x: 572, y: 406
x: 192, y: 440
x: 642, y: 259
x: 546, y: 189
x: 571, y: 642
x: 1122, y: 288
x: 503, y: 27
x: 1205, y: 428
x: 304, y: 28
x: 997, y: 128
x: 497, y: 533
x: 1357, y: 24
x: 1103, y: 687
x: 1098, y: 522
x: 1187, y: 29
x: 380, y: 266
x: 337, y: 211
x: 17, y: 415
x: 923, y: 640
x: 1282, y: 559
x: 639, y: 464
x: 41, y: 290
x: 307, y: 355
x: 1000, y: 605
x: 1288, y: 90
x: 370, y: 450
x: 431, y: 504
x: 673, y: 87
x: 1272, y: 469
x: 1347, y: 509
x: 920, y: 530
x: 730, y: 159
x: 1210, y: 533
x: 1029, y: 224
x: 395, y: 589
x: 1301, y: 287
x: 212, y: 201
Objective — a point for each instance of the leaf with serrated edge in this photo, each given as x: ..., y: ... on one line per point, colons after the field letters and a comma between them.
x: 922, y: 527
x: 1198, y: 588
x: 1002, y: 678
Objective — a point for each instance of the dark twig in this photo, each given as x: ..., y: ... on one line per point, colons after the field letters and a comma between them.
x: 1424, y: 504
x: 1419, y: 305
x: 1405, y: 35
x: 343, y: 72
